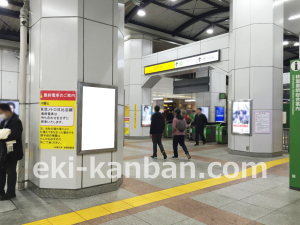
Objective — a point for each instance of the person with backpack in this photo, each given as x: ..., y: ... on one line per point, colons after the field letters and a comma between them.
x: 156, y: 130
x: 179, y: 126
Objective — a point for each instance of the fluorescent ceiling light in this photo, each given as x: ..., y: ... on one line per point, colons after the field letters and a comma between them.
x: 141, y: 12
x: 296, y: 44
x: 280, y: 2
x: 285, y: 43
x: 210, y: 31
x: 294, y: 17
x: 158, y: 98
x: 168, y: 101
x: 3, y: 3
x: 190, y: 100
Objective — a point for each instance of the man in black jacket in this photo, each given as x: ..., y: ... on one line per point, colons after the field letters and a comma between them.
x: 10, y: 121
x: 200, y: 121
x: 156, y: 130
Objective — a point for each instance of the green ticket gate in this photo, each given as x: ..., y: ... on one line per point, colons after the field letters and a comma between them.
x: 169, y: 132
x: 210, y: 133
x: 223, y: 135
x: 217, y: 132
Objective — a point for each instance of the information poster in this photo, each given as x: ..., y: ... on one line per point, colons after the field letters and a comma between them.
x: 294, y: 125
x: 57, y: 120
x: 146, y: 115
x: 241, y: 117
x: 220, y: 114
x: 126, y: 121
x: 262, y: 122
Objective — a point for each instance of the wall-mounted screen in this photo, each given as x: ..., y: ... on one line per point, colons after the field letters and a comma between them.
x: 241, y: 117
x: 146, y: 115
x: 97, y: 118
x: 205, y: 111
x: 220, y: 114
x: 13, y: 104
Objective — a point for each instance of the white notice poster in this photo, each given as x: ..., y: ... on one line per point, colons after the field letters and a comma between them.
x: 262, y: 122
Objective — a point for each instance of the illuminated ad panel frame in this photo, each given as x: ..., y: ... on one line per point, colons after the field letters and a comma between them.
x: 224, y: 114
x: 250, y: 102
x: 209, y: 57
x: 102, y: 107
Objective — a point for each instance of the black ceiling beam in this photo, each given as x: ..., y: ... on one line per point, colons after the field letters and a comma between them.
x: 199, y: 18
x: 134, y: 11
x: 181, y: 3
x: 12, y: 2
x: 212, y: 4
x: 157, y: 29
x: 293, y: 49
x: 10, y: 13
x: 14, y: 36
x: 173, y: 9
x: 211, y: 24
x: 291, y: 38
x: 287, y: 62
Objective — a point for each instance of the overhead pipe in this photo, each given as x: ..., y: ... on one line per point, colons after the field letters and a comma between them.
x: 22, y: 83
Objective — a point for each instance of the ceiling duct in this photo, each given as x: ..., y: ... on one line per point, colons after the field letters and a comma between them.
x: 137, y: 2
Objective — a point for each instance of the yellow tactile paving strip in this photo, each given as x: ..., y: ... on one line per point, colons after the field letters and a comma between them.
x: 118, y: 206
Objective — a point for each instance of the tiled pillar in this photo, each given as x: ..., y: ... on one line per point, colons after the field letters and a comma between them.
x: 211, y: 99
x: 135, y: 48
x: 256, y: 56
x: 75, y: 41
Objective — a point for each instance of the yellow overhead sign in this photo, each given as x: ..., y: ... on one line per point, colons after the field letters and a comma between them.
x: 160, y: 67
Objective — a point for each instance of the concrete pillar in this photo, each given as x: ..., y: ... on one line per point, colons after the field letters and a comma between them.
x: 75, y: 41
x: 256, y: 56
x: 136, y: 47
x: 211, y: 99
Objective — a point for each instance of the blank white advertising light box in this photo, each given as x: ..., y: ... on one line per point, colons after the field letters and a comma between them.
x: 98, y: 118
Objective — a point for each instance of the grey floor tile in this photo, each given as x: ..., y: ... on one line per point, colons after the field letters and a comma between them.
x: 291, y: 210
x: 281, y: 193
x: 189, y: 222
x: 127, y: 220
x: 214, y: 199
x: 117, y: 195
x: 278, y: 218
x: 15, y: 217
x: 266, y: 202
x: 246, y: 186
x: 265, y: 182
x: 234, y: 193
x: 6, y: 206
x: 27, y: 199
x: 246, y: 210
x: 45, y: 211
x: 161, y: 215
x: 83, y: 203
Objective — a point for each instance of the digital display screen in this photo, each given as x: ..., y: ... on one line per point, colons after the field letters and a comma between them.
x: 98, y: 118
x: 220, y: 114
x: 241, y: 117
x: 146, y: 115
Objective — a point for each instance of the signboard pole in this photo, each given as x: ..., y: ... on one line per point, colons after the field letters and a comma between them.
x: 294, y: 125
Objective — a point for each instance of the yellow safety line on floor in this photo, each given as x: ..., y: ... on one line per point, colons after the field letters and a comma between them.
x: 118, y: 206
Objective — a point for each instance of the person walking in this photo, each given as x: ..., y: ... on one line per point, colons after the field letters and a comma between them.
x: 199, y: 122
x: 156, y: 130
x: 179, y: 126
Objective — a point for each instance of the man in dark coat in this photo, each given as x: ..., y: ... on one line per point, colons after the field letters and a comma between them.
x: 156, y: 130
x: 200, y: 122
x: 10, y: 121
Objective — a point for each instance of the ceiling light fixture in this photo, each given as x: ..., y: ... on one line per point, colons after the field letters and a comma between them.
x: 168, y: 101
x: 285, y: 43
x: 158, y: 98
x: 296, y: 44
x: 294, y: 17
x: 210, y: 31
x: 190, y: 100
x: 3, y: 3
x: 141, y: 12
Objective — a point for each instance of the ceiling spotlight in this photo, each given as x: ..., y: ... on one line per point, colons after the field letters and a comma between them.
x: 141, y: 12
x: 296, y: 44
x: 210, y: 31
x: 285, y: 43
x: 294, y: 17
x: 3, y: 3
